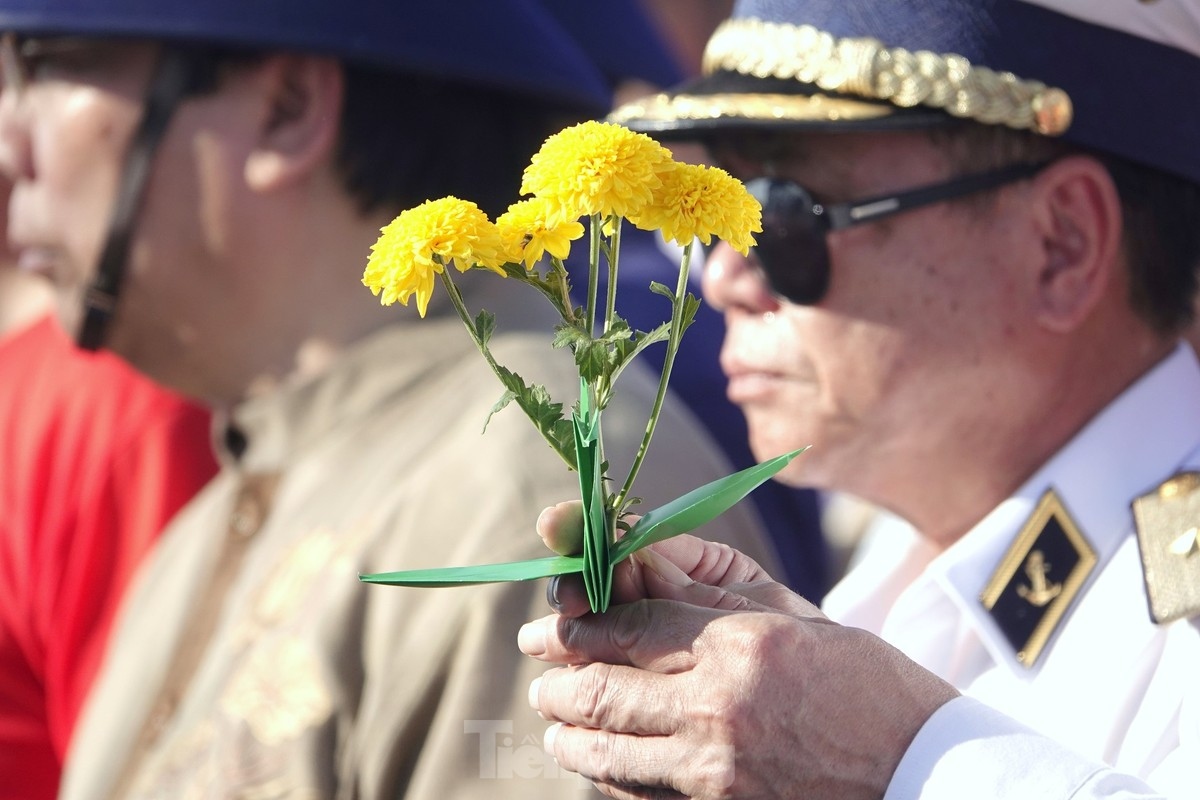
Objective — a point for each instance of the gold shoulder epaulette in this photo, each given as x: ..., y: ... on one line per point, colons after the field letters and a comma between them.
x: 1168, y: 531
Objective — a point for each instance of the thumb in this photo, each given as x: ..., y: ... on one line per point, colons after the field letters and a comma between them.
x: 561, y: 527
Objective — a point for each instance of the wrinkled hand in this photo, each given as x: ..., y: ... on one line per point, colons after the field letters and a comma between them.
x: 658, y: 570
x: 734, y: 688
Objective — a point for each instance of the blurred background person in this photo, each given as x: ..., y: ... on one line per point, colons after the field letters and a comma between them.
x: 274, y: 144
x: 23, y: 297
x: 94, y: 459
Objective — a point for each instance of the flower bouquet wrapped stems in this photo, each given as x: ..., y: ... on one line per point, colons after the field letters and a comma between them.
x: 607, y: 176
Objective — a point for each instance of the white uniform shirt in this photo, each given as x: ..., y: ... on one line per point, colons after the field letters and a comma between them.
x: 1113, y: 695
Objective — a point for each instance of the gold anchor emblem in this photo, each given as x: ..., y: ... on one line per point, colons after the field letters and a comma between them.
x: 1039, y: 592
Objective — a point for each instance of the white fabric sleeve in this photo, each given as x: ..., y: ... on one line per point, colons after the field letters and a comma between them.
x: 968, y: 749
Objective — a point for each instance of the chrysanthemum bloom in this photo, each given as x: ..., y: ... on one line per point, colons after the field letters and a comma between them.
x: 413, y: 248
x: 698, y: 201
x: 529, y: 230
x: 596, y: 168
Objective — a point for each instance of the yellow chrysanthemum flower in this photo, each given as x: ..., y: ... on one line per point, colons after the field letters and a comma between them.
x: 698, y: 201
x: 596, y: 168
x: 413, y: 248
x: 529, y: 229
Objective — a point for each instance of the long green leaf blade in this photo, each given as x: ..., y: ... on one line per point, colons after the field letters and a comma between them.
x: 484, y: 573
x: 698, y: 506
x: 597, y: 564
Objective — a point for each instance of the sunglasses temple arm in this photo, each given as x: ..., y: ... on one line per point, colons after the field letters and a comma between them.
x: 847, y: 214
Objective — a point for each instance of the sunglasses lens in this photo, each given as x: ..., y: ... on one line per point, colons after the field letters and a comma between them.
x: 791, y: 249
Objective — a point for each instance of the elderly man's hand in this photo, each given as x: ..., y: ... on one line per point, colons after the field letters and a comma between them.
x: 712, y: 681
x: 736, y: 580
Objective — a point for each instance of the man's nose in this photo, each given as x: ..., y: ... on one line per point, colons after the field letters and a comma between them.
x: 734, y: 282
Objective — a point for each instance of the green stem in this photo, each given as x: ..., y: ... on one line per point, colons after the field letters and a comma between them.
x: 465, y: 315
x: 566, y: 307
x: 614, y: 250
x: 593, y: 274
x: 673, y: 339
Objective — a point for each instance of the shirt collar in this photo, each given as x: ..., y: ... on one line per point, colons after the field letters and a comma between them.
x: 1136, y: 442
x: 378, y: 368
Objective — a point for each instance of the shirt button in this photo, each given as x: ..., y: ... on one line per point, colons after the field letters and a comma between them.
x: 251, y: 506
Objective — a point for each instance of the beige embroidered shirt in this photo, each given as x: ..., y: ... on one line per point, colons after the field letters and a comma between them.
x: 250, y: 662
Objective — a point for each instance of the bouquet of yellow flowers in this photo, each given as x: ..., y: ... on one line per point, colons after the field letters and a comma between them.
x: 606, y: 174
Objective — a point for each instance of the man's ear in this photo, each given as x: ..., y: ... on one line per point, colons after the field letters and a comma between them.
x: 299, y: 129
x: 1078, y: 215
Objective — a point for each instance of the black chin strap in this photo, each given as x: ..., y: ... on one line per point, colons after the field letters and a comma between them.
x: 171, y: 78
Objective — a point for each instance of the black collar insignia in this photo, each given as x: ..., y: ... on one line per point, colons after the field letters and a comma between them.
x: 1029, y: 593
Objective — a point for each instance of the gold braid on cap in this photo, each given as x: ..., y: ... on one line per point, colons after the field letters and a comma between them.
x: 866, y: 68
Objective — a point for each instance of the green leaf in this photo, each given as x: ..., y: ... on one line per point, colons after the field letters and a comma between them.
x: 593, y: 358
x: 698, y: 506
x: 485, y: 326
x: 515, y: 269
x: 663, y: 289
x: 549, y: 290
x: 691, y: 304
x: 628, y: 350
x: 618, y: 331
x: 500, y: 405
x: 485, y: 573
x: 561, y: 432
x: 597, y: 562
x: 543, y: 412
x: 684, y: 514
x: 568, y: 336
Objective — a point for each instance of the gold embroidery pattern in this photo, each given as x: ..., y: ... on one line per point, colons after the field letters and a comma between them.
x: 187, y: 772
x: 1169, y: 544
x: 865, y: 67
x: 276, y: 692
x: 789, y: 107
x: 293, y: 579
x: 280, y: 693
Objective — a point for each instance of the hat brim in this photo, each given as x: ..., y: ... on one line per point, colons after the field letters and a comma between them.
x: 731, y: 101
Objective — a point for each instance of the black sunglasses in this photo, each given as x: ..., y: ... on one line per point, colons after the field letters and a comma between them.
x: 792, y: 249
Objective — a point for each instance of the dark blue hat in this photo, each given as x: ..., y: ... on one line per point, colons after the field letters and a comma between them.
x: 619, y: 38
x: 1119, y: 76
x: 525, y: 46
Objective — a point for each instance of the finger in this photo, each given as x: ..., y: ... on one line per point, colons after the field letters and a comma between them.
x: 780, y: 598
x: 567, y: 595
x: 664, y: 580
x: 615, y: 698
x: 639, y: 766
x: 714, y: 563
x: 706, y: 562
x: 561, y: 527
x: 709, y: 564
x: 652, y: 634
x: 637, y: 792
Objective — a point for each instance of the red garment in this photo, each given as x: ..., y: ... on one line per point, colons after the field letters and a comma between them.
x: 94, y: 459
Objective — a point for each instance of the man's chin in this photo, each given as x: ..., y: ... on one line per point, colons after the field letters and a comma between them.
x: 798, y: 474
